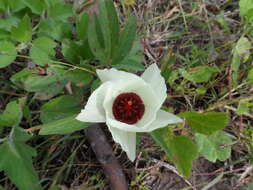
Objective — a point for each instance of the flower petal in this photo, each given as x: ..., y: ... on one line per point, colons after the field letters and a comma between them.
x: 114, y: 74
x: 153, y: 77
x: 127, y: 140
x: 163, y: 118
x: 94, y: 111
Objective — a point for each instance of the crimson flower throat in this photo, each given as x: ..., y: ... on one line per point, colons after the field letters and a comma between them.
x: 128, y: 108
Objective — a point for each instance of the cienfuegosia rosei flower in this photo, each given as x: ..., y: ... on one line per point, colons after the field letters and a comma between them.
x: 128, y: 104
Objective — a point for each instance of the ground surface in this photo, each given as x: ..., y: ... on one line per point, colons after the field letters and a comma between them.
x: 193, y: 31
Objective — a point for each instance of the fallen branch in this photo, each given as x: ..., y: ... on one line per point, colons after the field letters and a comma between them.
x: 104, y: 154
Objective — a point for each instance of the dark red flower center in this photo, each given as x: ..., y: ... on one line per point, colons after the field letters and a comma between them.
x: 128, y: 108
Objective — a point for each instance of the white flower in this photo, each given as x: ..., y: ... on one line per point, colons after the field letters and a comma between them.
x: 129, y: 104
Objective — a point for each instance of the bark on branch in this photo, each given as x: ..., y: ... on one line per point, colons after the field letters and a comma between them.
x: 104, y: 154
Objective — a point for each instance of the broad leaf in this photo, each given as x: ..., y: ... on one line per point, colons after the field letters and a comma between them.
x: 8, y: 23
x: 42, y: 51
x: 181, y: 150
x: 20, y: 77
x: 12, y: 114
x: 60, y: 11
x: 78, y: 77
x: 8, y: 53
x: 246, y: 9
x: 36, y: 6
x: 16, y: 161
x: 184, y: 151
x: 23, y: 32
x: 162, y: 137
x: 37, y: 83
x: 199, y: 74
x: 241, y: 54
x: 55, y: 29
x: 206, y: 123
x: 16, y: 6
x: 134, y: 59
x: 214, y: 147
x: 62, y: 126
x: 59, y: 108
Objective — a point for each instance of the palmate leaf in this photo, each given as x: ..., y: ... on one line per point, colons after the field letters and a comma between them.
x: 181, y: 150
x: 16, y: 161
x: 206, y: 123
x: 211, y: 146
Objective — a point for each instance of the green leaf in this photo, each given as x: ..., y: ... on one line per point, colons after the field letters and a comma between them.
x: 246, y: 9
x: 95, y: 40
x: 60, y: 11
x: 199, y: 74
x: 126, y: 40
x: 62, y: 126
x: 130, y: 64
x: 244, y: 108
x: 4, y: 35
x: 59, y: 108
x: 168, y: 59
x: 16, y: 162
x: 211, y: 147
x: 12, y: 115
x: 78, y: 77
x: 133, y: 60
x: 16, y: 6
x: 37, y: 83
x: 250, y: 76
x: 103, y: 21
x: 162, y: 137
x: 2, y: 8
x: 45, y: 87
x: 241, y: 54
x: 184, y: 151
x: 241, y: 51
x: 20, y: 135
x: 20, y: 77
x: 23, y: 32
x: 206, y: 123
x: 113, y: 23
x: 42, y: 50
x: 55, y: 29
x: 73, y: 51
x: 82, y: 26
x: 8, y: 23
x: 8, y: 53
x: 36, y: 6
x: 181, y: 150
x: 250, y: 186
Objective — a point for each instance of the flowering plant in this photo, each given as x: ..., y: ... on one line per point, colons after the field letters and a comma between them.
x: 128, y: 104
